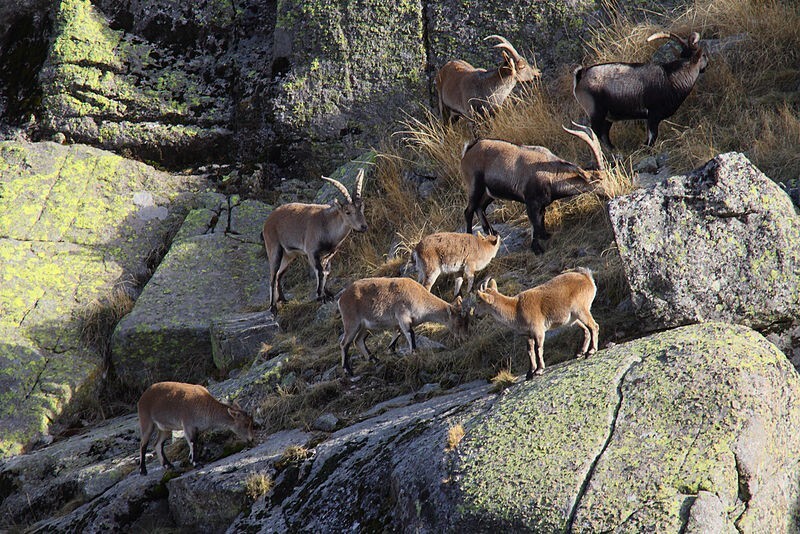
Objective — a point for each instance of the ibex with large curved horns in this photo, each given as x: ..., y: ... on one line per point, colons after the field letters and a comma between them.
x: 629, y: 91
x: 495, y: 169
x: 464, y: 90
x: 313, y: 230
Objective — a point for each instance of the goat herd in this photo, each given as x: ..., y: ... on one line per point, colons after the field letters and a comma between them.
x: 492, y: 169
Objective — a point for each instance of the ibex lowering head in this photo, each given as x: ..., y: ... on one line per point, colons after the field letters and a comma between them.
x: 313, y: 230
x: 495, y: 169
x: 451, y: 252
x: 464, y: 90
x: 393, y: 303
x: 168, y: 406
x: 563, y: 300
x: 628, y: 91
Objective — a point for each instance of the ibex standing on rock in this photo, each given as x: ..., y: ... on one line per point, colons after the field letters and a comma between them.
x: 495, y: 169
x: 564, y: 300
x: 464, y: 90
x: 168, y: 406
x: 629, y: 91
x: 313, y: 230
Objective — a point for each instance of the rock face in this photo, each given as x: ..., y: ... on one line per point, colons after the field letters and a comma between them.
x: 721, y: 243
x: 74, y: 223
x: 217, y: 256
x: 682, y: 430
x: 686, y: 427
x: 290, y: 84
x: 151, y: 80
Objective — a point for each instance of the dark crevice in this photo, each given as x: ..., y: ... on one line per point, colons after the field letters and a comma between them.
x: 744, y: 492
x: 612, y: 427
x: 429, y: 63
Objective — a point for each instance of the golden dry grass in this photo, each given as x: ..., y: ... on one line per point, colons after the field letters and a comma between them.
x: 454, y: 436
x: 747, y: 100
x: 258, y: 484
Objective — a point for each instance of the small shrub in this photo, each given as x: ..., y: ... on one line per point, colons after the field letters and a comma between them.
x: 454, y: 436
x: 258, y: 485
x: 291, y: 455
x: 503, y: 380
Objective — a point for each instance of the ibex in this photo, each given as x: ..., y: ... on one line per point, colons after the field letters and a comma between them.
x: 451, y: 252
x: 393, y: 302
x: 564, y: 300
x: 313, y: 230
x: 465, y: 91
x: 629, y: 91
x: 168, y: 406
x: 495, y: 169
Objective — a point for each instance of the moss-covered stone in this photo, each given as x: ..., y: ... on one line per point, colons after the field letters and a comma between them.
x: 722, y: 243
x: 215, y: 267
x: 74, y: 221
x: 120, y: 90
x: 626, y: 440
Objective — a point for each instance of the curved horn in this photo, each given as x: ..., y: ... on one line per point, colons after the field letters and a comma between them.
x: 340, y: 187
x: 586, y: 134
x: 504, y: 44
x: 359, y: 183
x: 669, y: 35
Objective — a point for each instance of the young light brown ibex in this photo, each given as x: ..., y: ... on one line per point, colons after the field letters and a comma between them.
x: 495, y: 169
x: 313, y: 230
x: 451, y: 252
x: 564, y: 300
x: 629, y: 91
x: 168, y: 406
x: 465, y: 91
x: 393, y: 302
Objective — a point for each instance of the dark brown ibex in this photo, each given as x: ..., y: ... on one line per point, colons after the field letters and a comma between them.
x: 628, y: 91
x: 495, y: 169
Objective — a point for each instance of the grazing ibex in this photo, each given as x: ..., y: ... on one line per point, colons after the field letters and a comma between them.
x: 564, y: 300
x: 393, y: 302
x: 464, y: 90
x: 495, y: 169
x: 451, y: 252
x: 168, y: 406
x: 629, y: 91
x: 313, y: 230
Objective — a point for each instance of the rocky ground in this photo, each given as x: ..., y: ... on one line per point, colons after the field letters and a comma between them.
x: 118, y: 270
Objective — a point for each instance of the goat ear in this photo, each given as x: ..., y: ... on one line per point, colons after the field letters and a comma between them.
x: 492, y: 284
x: 458, y: 302
x: 694, y: 38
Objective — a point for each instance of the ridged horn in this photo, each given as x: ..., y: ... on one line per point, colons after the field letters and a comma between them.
x: 340, y: 187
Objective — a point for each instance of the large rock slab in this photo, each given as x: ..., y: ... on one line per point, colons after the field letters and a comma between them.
x: 74, y: 222
x: 678, y: 430
x: 149, y: 80
x: 720, y: 243
x: 215, y: 267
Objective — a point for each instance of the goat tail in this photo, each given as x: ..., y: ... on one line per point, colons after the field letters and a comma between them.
x: 577, y: 74
x: 585, y: 270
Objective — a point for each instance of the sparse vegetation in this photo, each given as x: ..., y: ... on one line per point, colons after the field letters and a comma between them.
x: 258, y: 484
x: 503, y: 380
x: 291, y: 455
x: 454, y: 436
x: 747, y: 100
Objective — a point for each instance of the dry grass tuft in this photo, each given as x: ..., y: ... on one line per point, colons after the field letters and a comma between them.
x: 258, y: 485
x: 503, y: 380
x: 291, y: 455
x: 454, y: 436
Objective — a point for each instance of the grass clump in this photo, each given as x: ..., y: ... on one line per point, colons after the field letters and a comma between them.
x: 454, y: 436
x: 258, y: 485
x: 503, y: 380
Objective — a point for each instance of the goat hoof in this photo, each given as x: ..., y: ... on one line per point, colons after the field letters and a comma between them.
x: 539, y: 372
x: 143, y: 471
x: 529, y: 375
